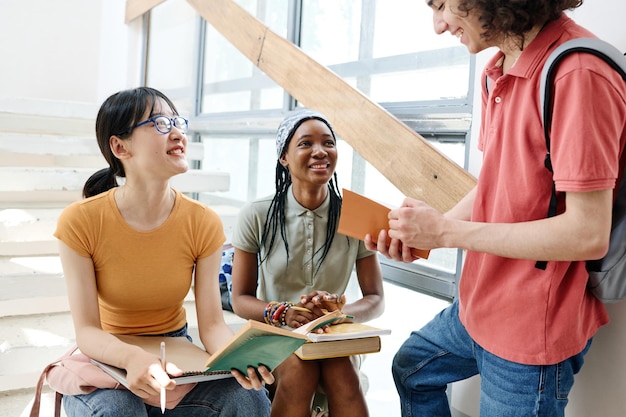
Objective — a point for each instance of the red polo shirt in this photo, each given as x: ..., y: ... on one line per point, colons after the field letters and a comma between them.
x: 509, y: 307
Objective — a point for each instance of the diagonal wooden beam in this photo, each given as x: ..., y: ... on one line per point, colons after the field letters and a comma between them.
x: 401, y: 155
x: 136, y: 8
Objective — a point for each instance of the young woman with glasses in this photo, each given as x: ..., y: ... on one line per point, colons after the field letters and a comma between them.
x: 130, y: 254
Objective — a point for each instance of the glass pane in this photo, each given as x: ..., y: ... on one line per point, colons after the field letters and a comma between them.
x: 330, y: 30
x: 344, y: 168
x: 172, y: 52
x: 435, y: 83
x: 406, y: 26
x: 401, y: 58
x: 250, y: 162
x: 230, y: 81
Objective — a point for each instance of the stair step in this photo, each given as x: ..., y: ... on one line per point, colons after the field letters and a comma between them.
x: 29, y: 295
x: 32, y: 248
x: 29, y: 343
x: 22, y: 149
x: 28, y: 232
x: 36, y: 124
x: 18, y: 403
x: 28, y: 266
x: 13, y: 159
x: 42, y: 198
x: 28, y: 224
x: 36, y: 179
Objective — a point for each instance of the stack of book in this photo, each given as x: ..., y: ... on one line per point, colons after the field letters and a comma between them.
x: 343, y: 339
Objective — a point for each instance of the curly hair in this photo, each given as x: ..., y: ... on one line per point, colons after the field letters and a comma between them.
x: 514, y: 18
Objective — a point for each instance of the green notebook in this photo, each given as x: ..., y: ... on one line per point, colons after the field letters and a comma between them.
x: 256, y: 344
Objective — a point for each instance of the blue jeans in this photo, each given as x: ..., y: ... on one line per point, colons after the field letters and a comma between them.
x: 222, y: 397
x: 442, y: 352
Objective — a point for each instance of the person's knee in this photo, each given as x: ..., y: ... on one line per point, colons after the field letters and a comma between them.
x: 407, y: 369
x: 246, y: 400
x: 401, y: 362
x: 297, y: 376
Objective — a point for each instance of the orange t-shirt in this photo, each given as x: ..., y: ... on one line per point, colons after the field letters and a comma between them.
x: 142, y: 277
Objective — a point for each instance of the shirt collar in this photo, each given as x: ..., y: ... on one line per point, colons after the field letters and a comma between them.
x: 534, y: 55
x: 320, y: 212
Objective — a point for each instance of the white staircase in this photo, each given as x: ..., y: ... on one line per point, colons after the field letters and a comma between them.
x: 46, y: 154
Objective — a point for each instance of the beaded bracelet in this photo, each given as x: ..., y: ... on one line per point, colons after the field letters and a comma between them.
x: 275, y: 312
x: 269, y: 310
x: 282, y: 320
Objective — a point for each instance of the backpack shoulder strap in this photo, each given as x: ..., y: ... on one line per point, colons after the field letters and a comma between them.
x: 597, y: 47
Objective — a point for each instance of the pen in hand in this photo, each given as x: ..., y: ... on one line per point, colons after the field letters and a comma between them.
x: 163, y: 400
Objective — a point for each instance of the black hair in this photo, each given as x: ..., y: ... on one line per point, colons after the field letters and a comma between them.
x: 506, y: 18
x: 116, y: 117
x: 276, y: 211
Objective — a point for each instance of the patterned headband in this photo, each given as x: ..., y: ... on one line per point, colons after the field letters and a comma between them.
x: 291, y: 121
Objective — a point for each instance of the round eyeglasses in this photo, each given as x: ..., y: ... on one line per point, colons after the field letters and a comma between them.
x: 163, y: 124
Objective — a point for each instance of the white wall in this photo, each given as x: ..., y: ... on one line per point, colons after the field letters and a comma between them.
x: 600, y: 388
x: 68, y: 51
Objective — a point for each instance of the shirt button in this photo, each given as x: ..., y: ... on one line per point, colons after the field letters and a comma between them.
x: 498, y: 99
x: 308, y: 267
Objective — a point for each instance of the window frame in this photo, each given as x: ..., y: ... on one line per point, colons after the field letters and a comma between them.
x: 444, y: 120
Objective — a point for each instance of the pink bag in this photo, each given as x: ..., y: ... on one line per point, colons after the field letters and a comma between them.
x: 74, y: 374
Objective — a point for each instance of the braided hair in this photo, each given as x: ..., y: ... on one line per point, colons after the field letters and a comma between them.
x: 276, y: 211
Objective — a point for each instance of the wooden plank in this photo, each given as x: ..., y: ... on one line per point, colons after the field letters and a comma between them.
x: 136, y: 8
x: 401, y: 155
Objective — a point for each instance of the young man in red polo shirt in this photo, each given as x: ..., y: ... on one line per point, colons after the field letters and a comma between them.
x: 524, y: 330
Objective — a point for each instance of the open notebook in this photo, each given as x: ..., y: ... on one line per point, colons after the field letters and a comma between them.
x: 179, y: 350
x: 254, y: 344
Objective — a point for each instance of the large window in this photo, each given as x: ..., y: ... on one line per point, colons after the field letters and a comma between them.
x: 386, y: 49
x: 172, y: 43
x: 231, y: 83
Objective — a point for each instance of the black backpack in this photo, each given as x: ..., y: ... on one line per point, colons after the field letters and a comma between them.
x: 607, y: 276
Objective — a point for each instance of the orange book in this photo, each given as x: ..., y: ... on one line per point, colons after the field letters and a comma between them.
x: 361, y: 216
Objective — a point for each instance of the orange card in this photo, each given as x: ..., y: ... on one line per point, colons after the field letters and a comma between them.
x: 360, y: 216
